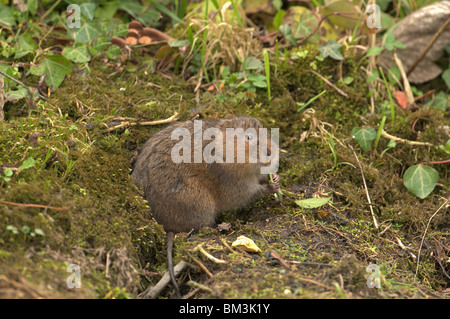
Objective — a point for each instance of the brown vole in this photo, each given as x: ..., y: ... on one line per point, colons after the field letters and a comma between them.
x: 189, y: 194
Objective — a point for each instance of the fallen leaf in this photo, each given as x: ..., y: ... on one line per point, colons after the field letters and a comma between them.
x: 402, y: 99
x: 224, y: 227
x: 246, y: 244
x: 274, y: 254
x: 416, y: 36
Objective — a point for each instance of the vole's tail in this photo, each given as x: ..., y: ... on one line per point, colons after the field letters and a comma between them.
x: 170, y: 237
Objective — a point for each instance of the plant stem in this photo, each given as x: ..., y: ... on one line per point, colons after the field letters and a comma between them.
x: 380, y: 129
x: 390, y: 96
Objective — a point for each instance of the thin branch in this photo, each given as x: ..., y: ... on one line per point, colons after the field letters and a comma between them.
x: 127, y: 123
x: 30, y: 93
x: 428, y: 47
x: 437, y: 162
x: 401, y: 140
x: 34, y: 205
x: 329, y: 83
x: 375, y: 223
x: 424, y: 233
x: 153, y: 292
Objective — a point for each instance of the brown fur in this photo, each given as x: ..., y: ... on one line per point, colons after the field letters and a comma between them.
x: 188, y: 196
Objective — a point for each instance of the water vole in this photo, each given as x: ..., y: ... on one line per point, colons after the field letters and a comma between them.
x: 189, y: 194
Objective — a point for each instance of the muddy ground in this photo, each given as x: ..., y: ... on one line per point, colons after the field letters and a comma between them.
x: 80, y: 195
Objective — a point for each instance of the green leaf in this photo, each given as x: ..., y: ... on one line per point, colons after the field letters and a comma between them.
x: 32, y: 6
x: 372, y: 77
x: 79, y: 54
x: 252, y: 63
x: 56, y: 67
x: 420, y: 180
x: 106, y: 10
x: 113, y: 52
x: 39, y: 232
x: 446, y: 77
x: 260, y: 84
x: 312, y: 202
x: 8, y: 172
x: 25, y: 44
x: 348, y: 80
x: 12, y: 229
x: 374, y: 51
x: 87, y: 33
x: 25, y: 229
x: 331, y: 49
x: 278, y: 19
x: 16, y: 94
x: 364, y: 137
x: 178, y: 43
x: 6, y: 16
x: 28, y: 163
x: 440, y: 101
x: 88, y: 9
x: 287, y: 33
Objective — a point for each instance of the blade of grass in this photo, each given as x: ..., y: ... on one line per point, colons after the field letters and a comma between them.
x: 390, y: 96
x: 267, y: 68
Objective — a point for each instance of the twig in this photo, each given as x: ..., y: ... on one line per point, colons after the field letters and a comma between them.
x: 34, y: 205
x: 437, y: 162
x: 406, y: 85
x: 30, y: 93
x: 49, y: 11
x: 329, y: 83
x: 375, y: 223
x: 199, y: 286
x: 425, y: 232
x: 401, y: 140
x: 153, y: 292
x: 342, y: 14
x: 314, y: 283
x: 405, y: 248
x: 226, y: 245
x: 157, y: 122
x: 428, y: 47
x: 203, y: 267
x: 208, y: 255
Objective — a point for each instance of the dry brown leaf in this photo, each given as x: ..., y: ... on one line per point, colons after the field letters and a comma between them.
x: 415, y: 32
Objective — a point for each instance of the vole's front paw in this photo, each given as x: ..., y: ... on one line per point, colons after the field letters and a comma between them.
x: 273, y: 187
x: 276, y: 178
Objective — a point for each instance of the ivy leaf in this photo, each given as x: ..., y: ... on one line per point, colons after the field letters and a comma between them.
x: 87, y: 33
x: 16, y: 94
x: 88, y: 9
x: 420, y: 180
x: 6, y: 16
x: 440, y: 101
x: 287, y: 33
x: 312, y: 202
x: 25, y: 44
x: 56, y: 67
x: 364, y: 136
x: 78, y: 54
x: 446, y: 77
x: 331, y: 49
